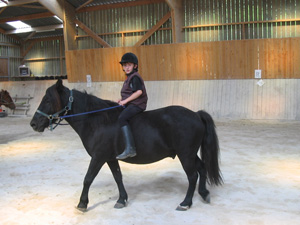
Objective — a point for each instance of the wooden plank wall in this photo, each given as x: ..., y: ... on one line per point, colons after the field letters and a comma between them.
x: 3, y: 69
x: 277, y: 58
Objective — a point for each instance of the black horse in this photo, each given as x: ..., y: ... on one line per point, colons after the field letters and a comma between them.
x: 158, y: 134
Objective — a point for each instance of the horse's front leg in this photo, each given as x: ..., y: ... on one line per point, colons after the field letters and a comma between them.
x: 116, y: 171
x: 93, y: 170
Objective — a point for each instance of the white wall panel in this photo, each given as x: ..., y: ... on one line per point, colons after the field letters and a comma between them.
x: 277, y: 99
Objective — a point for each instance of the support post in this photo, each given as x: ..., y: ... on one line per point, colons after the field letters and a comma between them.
x: 177, y: 19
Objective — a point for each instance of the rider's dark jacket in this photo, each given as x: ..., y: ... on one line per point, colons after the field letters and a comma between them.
x: 127, y: 91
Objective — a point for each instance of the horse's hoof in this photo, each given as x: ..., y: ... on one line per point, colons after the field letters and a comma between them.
x: 119, y: 205
x: 205, y: 196
x: 81, y: 209
x: 207, y: 199
x: 182, y: 208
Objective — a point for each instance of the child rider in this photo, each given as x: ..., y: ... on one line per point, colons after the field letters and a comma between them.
x: 134, y: 98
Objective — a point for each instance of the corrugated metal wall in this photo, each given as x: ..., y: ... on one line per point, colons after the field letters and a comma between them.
x: 204, y: 20
x: 216, y: 20
x: 44, y: 59
x: 125, y: 26
x: 9, y: 50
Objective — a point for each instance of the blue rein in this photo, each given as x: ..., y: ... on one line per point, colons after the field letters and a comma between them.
x: 85, y: 113
x: 66, y: 110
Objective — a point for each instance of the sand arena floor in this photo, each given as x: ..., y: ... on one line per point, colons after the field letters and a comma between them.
x: 42, y: 174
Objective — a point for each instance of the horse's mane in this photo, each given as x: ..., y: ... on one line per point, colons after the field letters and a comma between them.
x: 5, y: 92
x: 87, y: 102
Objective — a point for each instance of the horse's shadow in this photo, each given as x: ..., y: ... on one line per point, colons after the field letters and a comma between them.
x: 146, y: 188
x: 98, y: 204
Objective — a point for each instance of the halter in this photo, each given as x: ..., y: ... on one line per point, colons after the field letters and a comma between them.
x: 54, y: 116
x: 66, y: 110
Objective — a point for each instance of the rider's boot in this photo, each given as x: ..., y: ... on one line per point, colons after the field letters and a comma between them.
x: 129, y: 143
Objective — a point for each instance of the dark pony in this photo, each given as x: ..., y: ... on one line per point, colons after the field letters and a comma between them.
x: 166, y: 132
x: 6, y: 100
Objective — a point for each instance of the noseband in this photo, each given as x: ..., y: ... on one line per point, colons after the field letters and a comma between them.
x: 56, y: 115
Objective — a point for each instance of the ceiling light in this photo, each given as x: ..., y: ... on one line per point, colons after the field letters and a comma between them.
x: 18, y: 24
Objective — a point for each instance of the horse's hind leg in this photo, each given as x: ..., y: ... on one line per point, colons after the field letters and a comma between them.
x: 93, y: 170
x: 116, y: 171
x: 191, y: 172
x: 202, y: 182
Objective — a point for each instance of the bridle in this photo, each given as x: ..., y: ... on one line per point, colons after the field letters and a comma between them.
x: 56, y: 115
x: 66, y: 109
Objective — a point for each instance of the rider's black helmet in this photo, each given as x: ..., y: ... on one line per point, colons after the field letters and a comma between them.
x: 129, y: 57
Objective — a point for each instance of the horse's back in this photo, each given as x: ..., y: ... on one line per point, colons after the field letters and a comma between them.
x: 166, y: 132
x: 171, y: 117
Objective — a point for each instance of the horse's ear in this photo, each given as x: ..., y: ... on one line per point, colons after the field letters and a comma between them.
x: 59, y: 85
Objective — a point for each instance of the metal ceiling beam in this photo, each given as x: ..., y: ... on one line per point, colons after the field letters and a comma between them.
x: 66, y: 12
x: 30, y: 36
x: 177, y: 19
x: 1, y: 10
x: 84, y: 4
x: 69, y: 26
x: 54, y: 6
x: 27, y: 17
x: 2, y: 31
x: 118, y: 5
x: 32, y: 6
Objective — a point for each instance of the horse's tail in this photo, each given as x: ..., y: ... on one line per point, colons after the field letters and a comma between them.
x: 210, y: 149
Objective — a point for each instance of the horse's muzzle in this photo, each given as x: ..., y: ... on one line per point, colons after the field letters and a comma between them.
x: 35, y: 126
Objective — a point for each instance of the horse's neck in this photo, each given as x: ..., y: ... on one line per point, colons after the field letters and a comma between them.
x: 84, y: 123
x: 4, y: 99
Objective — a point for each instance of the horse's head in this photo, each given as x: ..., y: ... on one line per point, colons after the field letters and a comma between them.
x: 6, y: 100
x: 50, y: 104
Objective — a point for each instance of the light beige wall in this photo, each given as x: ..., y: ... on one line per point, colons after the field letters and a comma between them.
x: 277, y: 99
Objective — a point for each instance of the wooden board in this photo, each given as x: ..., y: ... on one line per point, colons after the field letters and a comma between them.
x: 277, y: 58
x: 3, y: 69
